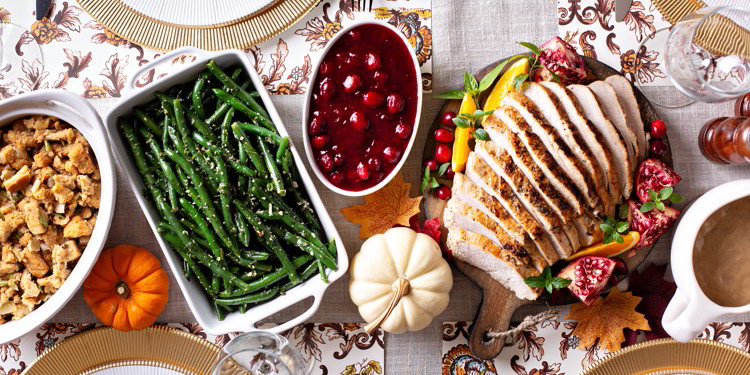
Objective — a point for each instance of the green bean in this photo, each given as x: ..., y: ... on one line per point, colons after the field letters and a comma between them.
x: 273, y: 169
x: 221, y: 314
x: 203, y: 228
x: 223, y: 107
x: 215, y: 284
x: 224, y: 195
x: 244, y: 231
x: 165, y: 132
x: 281, y: 151
x: 138, y: 154
x: 261, y: 131
x: 185, y: 134
x: 297, y: 226
x: 236, y: 165
x: 270, y: 278
x: 303, y: 202
x: 202, y: 127
x: 322, y: 271
x: 166, y: 106
x: 236, y: 89
x: 197, y: 91
x: 146, y: 119
x: 321, y: 254
x: 165, y: 167
x: 180, y: 248
x: 226, y: 131
x: 251, y: 298
x: 238, y: 105
x: 306, y: 274
x: 249, y: 150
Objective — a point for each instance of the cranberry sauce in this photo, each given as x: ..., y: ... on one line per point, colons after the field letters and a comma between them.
x: 363, y: 107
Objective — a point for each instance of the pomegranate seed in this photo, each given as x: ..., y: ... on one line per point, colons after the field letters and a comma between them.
x: 432, y: 164
x: 372, y: 99
x: 326, y: 162
x: 359, y: 121
x: 374, y: 164
x: 658, y: 129
x: 449, y: 173
x: 338, y: 159
x: 336, y: 178
x: 448, y: 118
x: 444, y: 135
x: 319, y: 141
x: 354, y: 35
x: 403, y: 131
x: 380, y: 77
x: 391, y: 154
x: 326, y: 89
x: 658, y: 147
x: 326, y: 68
x: 363, y: 172
x: 443, y: 192
x: 443, y: 153
x: 316, y: 126
x: 395, y: 103
x: 352, y: 83
x: 372, y: 61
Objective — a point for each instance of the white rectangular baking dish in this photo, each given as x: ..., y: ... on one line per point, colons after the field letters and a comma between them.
x: 196, y: 299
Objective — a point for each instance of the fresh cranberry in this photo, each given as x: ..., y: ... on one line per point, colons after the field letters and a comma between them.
x: 403, y: 131
x: 372, y: 99
x: 363, y: 172
x: 326, y: 68
x: 316, y: 126
x: 444, y: 135
x: 326, y: 89
x: 374, y: 164
x: 658, y: 147
x: 359, y: 121
x: 326, y: 162
x: 352, y: 175
x: 336, y: 178
x: 319, y: 141
x: 448, y: 118
x: 449, y: 173
x: 658, y: 129
x: 380, y: 77
x: 338, y: 159
x: 391, y: 154
x: 352, y: 83
x: 443, y: 153
x: 443, y: 192
x: 431, y: 164
x: 354, y: 35
x: 395, y: 103
x: 372, y: 61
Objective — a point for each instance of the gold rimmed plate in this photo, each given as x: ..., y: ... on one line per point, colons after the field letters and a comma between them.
x: 155, y: 350
x: 669, y: 357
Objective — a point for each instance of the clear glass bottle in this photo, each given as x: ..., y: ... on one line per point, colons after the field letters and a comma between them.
x: 726, y: 140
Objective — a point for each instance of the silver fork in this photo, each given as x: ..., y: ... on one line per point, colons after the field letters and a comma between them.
x: 361, y: 5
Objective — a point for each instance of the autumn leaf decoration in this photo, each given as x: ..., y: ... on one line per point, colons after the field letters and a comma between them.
x: 606, y: 319
x: 384, y: 209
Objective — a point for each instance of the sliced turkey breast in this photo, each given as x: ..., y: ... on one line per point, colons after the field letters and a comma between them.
x: 591, y: 135
x: 520, y: 226
x: 626, y: 95
x: 555, y: 145
x: 616, y: 114
x: 554, y: 112
x: 483, y: 176
x: 615, y: 142
x: 480, y: 252
x: 461, y: 215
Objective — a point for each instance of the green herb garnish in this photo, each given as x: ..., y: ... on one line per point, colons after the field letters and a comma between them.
x: 656, y: 200
x: 546, y: 281
x: 613, y: 229
x: 428, y: 180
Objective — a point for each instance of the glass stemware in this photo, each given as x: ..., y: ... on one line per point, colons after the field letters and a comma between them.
x: 260, y: 353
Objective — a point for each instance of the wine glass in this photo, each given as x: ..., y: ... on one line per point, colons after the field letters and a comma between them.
x: 260, y: 353
x: 13, y: 60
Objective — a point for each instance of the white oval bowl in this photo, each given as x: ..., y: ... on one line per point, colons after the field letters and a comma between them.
x: 191, y: 290
x: 308, y: 100
x: 81, y: 115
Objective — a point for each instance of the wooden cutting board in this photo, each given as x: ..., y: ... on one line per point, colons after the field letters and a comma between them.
x: 498, y: 303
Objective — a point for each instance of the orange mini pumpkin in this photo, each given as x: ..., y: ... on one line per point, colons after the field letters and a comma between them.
x: 127, y: 289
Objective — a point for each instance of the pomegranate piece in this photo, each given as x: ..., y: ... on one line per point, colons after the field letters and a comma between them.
x: 654, y: 175
x: 431, y: 164
x: 319, y: 141
x: 326, y: 89
x: 658, y: 148
x: 443, y: 153
x: 352, y: 83
x: 651, y: 225
x: 444, y: 135
x: 336, y: 178
x: 372, y: 61
x: 588, y: 276
x: 326, y: 162
x: 395, y: 103
x: 373, y: 99
x: 403, y: 131
x: 359, y: 121
x: 443, y: 192
x: 391, y: 154
x: 658, y: 129
x: 560, y: 58
x: 363, y: 172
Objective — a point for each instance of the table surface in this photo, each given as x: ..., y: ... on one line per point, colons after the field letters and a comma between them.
x: 468, y: 35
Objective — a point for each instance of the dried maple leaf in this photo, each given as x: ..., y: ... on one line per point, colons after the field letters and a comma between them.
x: 384, y: 209
x: 606, y: 319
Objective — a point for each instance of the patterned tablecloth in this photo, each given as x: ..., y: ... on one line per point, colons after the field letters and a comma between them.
x: 338, y: 348
x: 82, y: 56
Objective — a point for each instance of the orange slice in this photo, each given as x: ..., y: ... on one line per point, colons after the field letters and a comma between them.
x: 611, y: 249
x: 461, y: 148
x: 505, y: 83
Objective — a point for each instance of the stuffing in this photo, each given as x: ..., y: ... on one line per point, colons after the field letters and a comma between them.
x: 36, y: 219
x: 19, y: 180
x: 32, y: 258
x: 77, y: 227
x: 66, y: 252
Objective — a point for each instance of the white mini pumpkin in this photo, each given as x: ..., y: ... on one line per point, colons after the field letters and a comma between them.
x: 400, y: 281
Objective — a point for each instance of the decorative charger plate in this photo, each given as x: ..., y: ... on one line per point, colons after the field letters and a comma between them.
x: 669, y: 357
x: 106, y: 351
x: 207, y: 24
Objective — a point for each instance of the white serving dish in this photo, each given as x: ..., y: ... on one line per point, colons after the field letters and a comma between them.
x: 308, y: 99
x: 81, y: 115
x: 196, y: 299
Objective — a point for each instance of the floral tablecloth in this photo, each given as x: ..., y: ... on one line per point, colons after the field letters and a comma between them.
x: 338, y: 348
x: 82, y: 56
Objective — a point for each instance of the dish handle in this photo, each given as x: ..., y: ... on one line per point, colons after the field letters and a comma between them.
x: 317, y: 299
x: 186, y: 50
x: 75, y: 107
x: 685, y: 317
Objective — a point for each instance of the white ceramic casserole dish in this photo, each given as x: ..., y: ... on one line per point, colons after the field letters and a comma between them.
x: 196, y: 299
x: 81, y: 115
x: 308, y: 100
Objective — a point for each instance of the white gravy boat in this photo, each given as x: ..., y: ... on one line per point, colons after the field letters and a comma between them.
x: 690, y: 311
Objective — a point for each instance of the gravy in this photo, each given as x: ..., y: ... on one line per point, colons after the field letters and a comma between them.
x: 721, y: 255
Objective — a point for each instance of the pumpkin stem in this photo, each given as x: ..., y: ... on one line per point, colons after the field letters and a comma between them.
x: 123, y: 290
x: 401, y: 287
